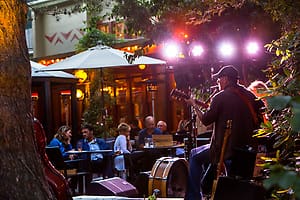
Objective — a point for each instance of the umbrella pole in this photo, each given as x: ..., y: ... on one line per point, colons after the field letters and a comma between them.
x: 102, y: 92
x: 102, y: 97
x: 153, y: 103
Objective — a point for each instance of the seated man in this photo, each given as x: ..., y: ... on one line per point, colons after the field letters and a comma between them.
x: 162, y: 125
x: 99, y: 162
x: 148, y: 131
x: 233, y: 103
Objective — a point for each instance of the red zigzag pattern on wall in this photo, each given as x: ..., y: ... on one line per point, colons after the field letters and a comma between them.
x: 63, y: 36
x: 50, y: 38
x: 66, y: 35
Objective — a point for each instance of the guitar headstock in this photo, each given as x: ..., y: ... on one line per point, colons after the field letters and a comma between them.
x: 178, y: 94
x: 228, y: 124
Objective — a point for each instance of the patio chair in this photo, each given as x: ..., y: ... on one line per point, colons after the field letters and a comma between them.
x: 69, y: 168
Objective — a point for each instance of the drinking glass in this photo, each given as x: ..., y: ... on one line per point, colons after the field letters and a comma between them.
x: 79, y: 146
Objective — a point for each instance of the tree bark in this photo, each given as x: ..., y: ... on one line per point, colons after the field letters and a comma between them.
x: 21, y: 171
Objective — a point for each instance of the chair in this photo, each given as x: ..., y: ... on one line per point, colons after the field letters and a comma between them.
x: 134, y: 164
x: 69, y: 168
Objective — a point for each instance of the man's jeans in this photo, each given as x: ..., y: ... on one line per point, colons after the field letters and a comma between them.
x: 198, y: 162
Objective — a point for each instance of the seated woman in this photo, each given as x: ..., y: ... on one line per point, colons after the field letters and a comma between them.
x: 62, y: 140
x: 122, y: 146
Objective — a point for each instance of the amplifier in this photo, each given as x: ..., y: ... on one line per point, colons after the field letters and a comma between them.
x: 233, y: 189
x: 112, y: 187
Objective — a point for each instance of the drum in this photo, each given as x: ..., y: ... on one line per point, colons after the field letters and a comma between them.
x: 170, y: 176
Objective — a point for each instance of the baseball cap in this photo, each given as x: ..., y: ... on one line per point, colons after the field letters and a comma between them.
x: 229, y: 71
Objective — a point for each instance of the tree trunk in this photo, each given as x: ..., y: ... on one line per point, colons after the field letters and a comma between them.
x: 21, y: 171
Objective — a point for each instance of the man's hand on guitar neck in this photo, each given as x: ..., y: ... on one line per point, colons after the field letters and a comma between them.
x: 192, y: 102
x: 181, y: 95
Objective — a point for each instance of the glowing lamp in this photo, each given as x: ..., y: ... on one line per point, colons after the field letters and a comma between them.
x: 142, y: 67
x: 81, y: 75
x: 79, y: 94
x: 252, y: 48
x: 171, y: 50
x: 197, y: 50
x: 226, y: 49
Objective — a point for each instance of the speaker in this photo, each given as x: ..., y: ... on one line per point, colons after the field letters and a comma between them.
x: 243, y: 163
x: 112, y: 187
x: 233, y: 189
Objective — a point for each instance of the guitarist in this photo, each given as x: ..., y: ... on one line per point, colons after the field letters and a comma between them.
x: 232, y: 102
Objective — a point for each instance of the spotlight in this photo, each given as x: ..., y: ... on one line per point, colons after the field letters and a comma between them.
x: 227, y: 49
x: 171, y: 50
x: 252, y: 48
x: 197, y: 50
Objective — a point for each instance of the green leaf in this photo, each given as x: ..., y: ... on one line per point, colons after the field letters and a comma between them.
x: 287, y: 179
x: 278, y: 102
x: 296, y: 102
x: 281, y: 141
x: 278, y: 52
x: 297, y: 188
x: 295, y: 121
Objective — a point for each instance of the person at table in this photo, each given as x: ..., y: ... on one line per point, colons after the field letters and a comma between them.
x: 148, y: 131
x: 122, y: 146
x: 99, y: 162
x: 62, y: 140
x: 134, y: 129
x: 234, y: 102
x: 162, y: 125
x: 135, y: 160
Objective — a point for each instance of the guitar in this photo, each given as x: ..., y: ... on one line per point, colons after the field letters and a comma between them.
x: 56, y: 180
x: 178, y: 94
x: 221, y: 164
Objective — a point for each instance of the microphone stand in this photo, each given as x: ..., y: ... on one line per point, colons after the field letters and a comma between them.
x: 194, y: 129
x: 191, y: 141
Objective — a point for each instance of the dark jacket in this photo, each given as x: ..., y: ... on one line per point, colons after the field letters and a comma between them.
x: 228, y: 105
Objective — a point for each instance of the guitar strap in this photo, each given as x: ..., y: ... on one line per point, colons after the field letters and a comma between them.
x: 248, y: 103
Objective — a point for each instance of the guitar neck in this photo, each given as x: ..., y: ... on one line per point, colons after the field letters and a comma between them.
x: 181, y: 95
x: 201, y: 104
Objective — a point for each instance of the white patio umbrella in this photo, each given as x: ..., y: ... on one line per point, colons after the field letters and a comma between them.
x: 101, y: 56
x: 36, y: 67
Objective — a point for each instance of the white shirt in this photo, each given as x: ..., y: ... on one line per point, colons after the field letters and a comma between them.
x: 121, y: 144
x: 94, y: 147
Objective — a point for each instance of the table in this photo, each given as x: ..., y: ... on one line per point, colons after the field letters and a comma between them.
x: 170, y: 150
x: 166, y: 147
x: 104, y: 152
x: 85, y: 197
x: 90, y: 152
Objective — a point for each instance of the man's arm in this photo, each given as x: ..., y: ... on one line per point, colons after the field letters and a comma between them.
x: 196, y: 107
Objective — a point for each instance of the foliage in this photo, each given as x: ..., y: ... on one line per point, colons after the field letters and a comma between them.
x: 159, y: 19
x: 96, y: 112
x: 90, y: 6
x: 92, y: 37
x: 285, y: 12
x: 284, y: 101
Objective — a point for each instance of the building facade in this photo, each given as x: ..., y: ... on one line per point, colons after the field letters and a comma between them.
x: 57, y: 26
